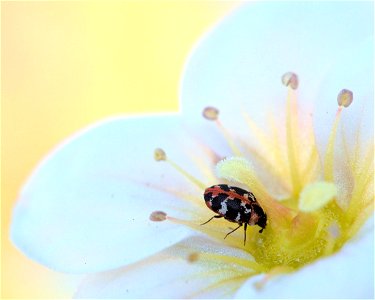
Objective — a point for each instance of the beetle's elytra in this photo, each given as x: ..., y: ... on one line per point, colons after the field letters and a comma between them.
x: 235, y: 205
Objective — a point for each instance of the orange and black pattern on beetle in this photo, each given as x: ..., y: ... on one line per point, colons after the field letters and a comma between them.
x: 235, y: 205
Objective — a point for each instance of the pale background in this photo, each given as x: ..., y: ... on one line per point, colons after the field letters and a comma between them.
x: 68, y: 64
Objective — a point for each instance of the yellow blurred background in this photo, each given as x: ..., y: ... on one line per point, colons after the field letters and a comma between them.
x: 68, y: 64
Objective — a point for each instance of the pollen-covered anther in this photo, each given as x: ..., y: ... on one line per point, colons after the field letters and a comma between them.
x: 345, y: 97
x: 159, y: 154
x: 210, y: 113
x: 316, y: 195
x: 158, y: 216
x: 290, y: 79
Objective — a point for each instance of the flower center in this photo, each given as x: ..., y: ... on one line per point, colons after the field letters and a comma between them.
x: 310, y: 222
x: 319, y: 209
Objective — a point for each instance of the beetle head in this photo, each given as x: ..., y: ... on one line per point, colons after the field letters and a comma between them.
x: 260, y: 217
x: 262, y: 222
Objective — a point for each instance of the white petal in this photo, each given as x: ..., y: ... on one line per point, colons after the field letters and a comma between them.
x: 87, y: 206
x: 348, y: 274
x: 240, y: 63
x: 170, y: 274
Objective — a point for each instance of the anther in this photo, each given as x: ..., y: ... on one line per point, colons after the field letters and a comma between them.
x: 210, y: 113
x: 290, y: 79
x: 345, y: 97
x: 158, y: 216
x: 159, y: 154
x: 193, y: 257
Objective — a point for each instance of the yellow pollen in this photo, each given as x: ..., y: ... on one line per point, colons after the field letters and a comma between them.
x: 159, y: 154
x: 210, y: 113
x: 345, y: 98
x: 290, y: 79
x: 158, y: 216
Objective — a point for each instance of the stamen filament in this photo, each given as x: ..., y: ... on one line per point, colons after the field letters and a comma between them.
x: 273, y: 161
x: 204, y: 164
x: 160, y: 155
x: 212, y: 114
x: 190, y: 177
x: 228, y: 138
x: 311, y: 163
x: 329, y: 156
x: 259, y: 135
x: 366, y: 172
x: 357, y: 148
x: 291, y: 127
x: 278, y: 149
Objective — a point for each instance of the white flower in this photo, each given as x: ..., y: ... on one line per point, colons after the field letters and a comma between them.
x: 102, y: 204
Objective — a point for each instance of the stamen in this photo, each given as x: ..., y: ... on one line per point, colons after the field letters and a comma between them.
x: 212, y: 114
x: 228, y: 138
x: 160, y: 155
x: 290, y: 79
x: 344, y: 99
x: 316, y: 195
x: 158, y: 216
x: 194, y: 180
x: 271, y: 146
x: 291, y: 136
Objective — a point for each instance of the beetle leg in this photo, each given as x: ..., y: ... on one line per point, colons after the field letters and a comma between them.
x: 233, y: 230
x: 211, y: 219
x: 244, y: 240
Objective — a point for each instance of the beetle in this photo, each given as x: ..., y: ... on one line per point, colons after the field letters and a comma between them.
x: 235, y: 205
